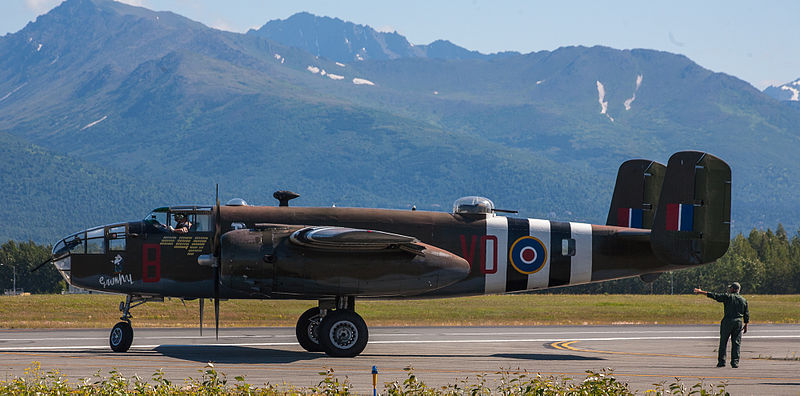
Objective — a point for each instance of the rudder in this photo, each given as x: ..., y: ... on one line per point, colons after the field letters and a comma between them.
x: 693, y: 216
x: 636, y: 194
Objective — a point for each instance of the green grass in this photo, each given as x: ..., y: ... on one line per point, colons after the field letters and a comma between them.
x: 100, y: 311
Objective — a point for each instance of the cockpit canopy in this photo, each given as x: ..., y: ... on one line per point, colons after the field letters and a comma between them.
x: 199, y: 216
x: 473, y: 205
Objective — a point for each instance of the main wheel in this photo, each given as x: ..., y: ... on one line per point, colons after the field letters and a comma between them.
x: 343, y: 333
x: 121, y: 337
x: 307, y: 330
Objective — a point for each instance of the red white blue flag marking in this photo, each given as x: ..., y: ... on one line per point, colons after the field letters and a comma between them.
x: 629, y: 217
x: 680, y: 217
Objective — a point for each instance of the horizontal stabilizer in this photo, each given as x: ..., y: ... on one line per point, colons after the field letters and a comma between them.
x: 636, y: 194
x: 693, y: 217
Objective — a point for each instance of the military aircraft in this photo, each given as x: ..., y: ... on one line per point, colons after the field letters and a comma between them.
x: 662, y: 218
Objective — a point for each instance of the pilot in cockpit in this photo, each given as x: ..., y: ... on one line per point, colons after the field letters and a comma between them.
x: 182, y: 224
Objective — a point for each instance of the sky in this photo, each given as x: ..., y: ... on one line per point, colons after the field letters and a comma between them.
x: 755, y: 41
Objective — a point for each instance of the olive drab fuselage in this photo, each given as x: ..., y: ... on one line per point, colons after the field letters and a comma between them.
x: 490, y: 254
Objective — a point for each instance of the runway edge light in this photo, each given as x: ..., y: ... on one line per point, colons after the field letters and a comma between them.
x: 374, y: 380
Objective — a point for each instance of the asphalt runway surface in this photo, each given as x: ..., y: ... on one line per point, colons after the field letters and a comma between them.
x: 639, y: 355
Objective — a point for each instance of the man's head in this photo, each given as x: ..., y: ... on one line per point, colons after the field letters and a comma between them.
x: 734, y: 287
x: 180, y: 217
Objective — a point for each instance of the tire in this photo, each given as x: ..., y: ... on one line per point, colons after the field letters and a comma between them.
x: 307, y: 330
x: 121, y: 337
x: 343, y: 333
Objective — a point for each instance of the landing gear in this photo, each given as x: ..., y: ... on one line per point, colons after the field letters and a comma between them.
x: 307, y: 330
x: 121, y: 336
x: 343, y: 333
x: 334, y: 327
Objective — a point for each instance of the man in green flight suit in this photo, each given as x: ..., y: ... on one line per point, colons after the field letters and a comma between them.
x: 731, y: 326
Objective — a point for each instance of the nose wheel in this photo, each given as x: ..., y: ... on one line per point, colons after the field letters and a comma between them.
x: 121, y: 337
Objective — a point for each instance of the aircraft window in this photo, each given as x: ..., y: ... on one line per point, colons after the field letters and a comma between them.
x: 568, y: 247
x: 77, y: 245
x: 95, y: 246
x: 116, y: 245
x: 95, y: 241
x: 473, y: 205
x: 157, y: 217
x: 117, y: 232
x: 202, y: 223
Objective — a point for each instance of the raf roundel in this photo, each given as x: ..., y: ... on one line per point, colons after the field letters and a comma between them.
x: 528, y: 255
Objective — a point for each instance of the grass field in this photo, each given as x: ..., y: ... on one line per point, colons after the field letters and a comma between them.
x: 90, y: 311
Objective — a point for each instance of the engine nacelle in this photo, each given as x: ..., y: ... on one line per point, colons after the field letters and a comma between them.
x: 265, y: 262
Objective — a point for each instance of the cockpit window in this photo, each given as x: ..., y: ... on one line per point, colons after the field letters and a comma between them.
x: 202, y: 223
x: 116, y: 239
x: 157, y: 217
x: 95, y: 241
x: 473, y: 205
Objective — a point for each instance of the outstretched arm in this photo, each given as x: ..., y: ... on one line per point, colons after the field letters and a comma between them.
x: 698, y: 290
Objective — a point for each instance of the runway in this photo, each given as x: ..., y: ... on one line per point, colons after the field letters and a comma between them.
x: 639, y: 355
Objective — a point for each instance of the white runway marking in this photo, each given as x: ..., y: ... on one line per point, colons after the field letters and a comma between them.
x: 465, y: 341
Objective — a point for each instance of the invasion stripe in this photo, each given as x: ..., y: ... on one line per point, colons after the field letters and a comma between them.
x: 497, y: 226
x: 560, y: 265
x: 540, y: 229
x: 515, y: 280
x: 581, y: 265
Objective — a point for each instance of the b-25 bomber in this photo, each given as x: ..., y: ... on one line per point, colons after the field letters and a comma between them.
x: 662, y: 218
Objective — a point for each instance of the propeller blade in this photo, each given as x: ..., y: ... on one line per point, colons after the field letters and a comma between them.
x: 216, y: 316
x: 202, y: 304
x: 217, y: 254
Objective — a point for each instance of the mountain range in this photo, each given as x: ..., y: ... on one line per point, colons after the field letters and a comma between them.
x: 109, y: 110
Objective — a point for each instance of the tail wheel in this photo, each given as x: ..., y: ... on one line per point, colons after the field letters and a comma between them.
x: 121, y: 337
x: 343, y: 333
x: 307, y: 330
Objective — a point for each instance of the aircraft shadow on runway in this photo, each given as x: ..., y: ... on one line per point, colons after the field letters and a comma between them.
x: 246, y: 355
x: 234, y: 354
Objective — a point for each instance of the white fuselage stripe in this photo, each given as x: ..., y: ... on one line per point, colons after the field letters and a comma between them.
x: 540, y: 229
x: 581, y: 268
x: 498, y: 226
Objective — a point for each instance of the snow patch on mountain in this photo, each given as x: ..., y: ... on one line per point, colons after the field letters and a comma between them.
x: 361, y: 81
x: 335, y: 76
x: 313, y: 69
x: 795, y: 92
x: 632, y: 98
x: 601, y: 96
x: 93, y: 123
x: 39, y: 48
x: 340, y: 64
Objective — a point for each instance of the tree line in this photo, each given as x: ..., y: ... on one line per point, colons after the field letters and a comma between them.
x: 763, y: 262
